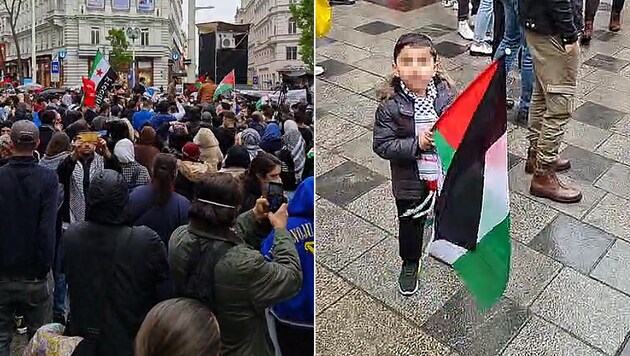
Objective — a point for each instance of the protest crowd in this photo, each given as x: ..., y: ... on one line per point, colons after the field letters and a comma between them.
x: 156, y: 223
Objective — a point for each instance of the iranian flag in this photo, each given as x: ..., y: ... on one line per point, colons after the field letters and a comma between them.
x: 227, y: 84
x: 103, y: 76
x: 472, y: 214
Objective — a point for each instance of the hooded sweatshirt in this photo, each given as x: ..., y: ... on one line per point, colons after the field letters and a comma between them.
x: 209, y: 147
x: 298, y: 311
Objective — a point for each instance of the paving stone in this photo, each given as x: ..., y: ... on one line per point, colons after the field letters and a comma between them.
x: 358, y: 110
x: 328, y: 94
x: 528, y: 217
x: 614, y: 269
x: 376, y: 27
x: 584, y: 136
x: 330, y: 288
x: 356, y: 325
x: 365, y: 155
x: 590, y: 310
x: 585, y: 165
x: 377, y: 64
x: 344, y: 236
x: 435, y: 30
x: 595, y: 114
x: 450, y: 49
x: 541, y: 338
x: 610, y: 98
x: 573, y: 243
x: 517, y: 142
x: 460, y: 325
x: 343, y: 53
x: 530, y: 273
x: 520, y: 182
x: 622, y: 126
x: 378, y: 207
x: 612, y: 214
x: 346, y: 182
x: 616, y: 147
x: 321, y: 42
x: 357, y: 80
x: 626, y: 350
x: 608, y: 79
x: 333, y: 131
x: 326, y: 160
x: 377, y: 272
x: 408, y: 5
x: 605, y: 62
x: 513, y: 160
x: 334, y: 68
x: 616, y: 180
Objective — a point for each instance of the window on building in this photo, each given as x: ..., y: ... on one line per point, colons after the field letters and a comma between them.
x: 95, y: 35
x: 292, y: 26
x: 144, y: 37
x: 292, y: 53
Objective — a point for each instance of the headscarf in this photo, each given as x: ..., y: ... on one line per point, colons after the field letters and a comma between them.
x: 147, y: 136
x: 237, y: 156
x: 124, y: 151
x: 293, y: 142
x: 251, y: 141
x: 209, y: 147
x: 270, y: 141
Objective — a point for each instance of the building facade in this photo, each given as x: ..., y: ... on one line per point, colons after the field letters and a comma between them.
x: 80, y: 28
x: 273, y: 40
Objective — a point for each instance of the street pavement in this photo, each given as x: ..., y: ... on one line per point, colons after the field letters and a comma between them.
x: 569, y: 290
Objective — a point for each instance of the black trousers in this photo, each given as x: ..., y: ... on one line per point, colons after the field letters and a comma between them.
x: 593, y: 5
x: 295, y: 341
x: 410, y: 231
x: 499, y: 25
x: 463, y: 7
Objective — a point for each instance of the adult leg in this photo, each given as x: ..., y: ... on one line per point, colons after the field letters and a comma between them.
x: 615, y: 15
x: 482, y: 24
x: 463, y: 27
x: 499, y: 25
x: 578, y: 10
x: 590, y: 9
x: 37, y: 305
x: 7, y: 313
x: 556, y: 74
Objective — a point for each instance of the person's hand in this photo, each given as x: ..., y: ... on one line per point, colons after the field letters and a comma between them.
x: 102, y: 149
x: 425, y: 140
x: 569, y: 48
x: 279, y: 219
x: 261, y: 209
x: 74, y: 156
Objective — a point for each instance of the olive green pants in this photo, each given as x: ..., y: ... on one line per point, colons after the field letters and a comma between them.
x: 555, y: 73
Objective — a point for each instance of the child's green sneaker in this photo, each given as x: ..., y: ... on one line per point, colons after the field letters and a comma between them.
x: 408, y: 279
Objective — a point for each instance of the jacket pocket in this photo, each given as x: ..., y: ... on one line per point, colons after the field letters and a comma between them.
x: 557, y: 43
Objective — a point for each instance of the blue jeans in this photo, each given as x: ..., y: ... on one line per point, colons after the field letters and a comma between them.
x: 515, y: 41
x: 61, y: 288
x: 483, y: 23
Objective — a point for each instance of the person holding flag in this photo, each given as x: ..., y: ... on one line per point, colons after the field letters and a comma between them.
x: 227, y: 85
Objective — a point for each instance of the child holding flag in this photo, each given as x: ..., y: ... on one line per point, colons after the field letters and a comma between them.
x: 411, y: 103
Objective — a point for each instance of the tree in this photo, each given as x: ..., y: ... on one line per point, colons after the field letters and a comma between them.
x: 304, y: 15
x: 13, y: 8
x: 119, y: 57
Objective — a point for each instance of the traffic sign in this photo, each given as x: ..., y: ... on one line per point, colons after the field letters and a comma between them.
x: 175, y: 56
x: 255, y: 80
x: 54, y: 71
x: 62, y: 54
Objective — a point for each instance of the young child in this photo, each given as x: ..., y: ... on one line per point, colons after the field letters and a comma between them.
x: 411, y: 103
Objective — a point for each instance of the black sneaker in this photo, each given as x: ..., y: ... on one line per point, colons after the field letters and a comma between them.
x: 522, y: 118
x: 408, y: 279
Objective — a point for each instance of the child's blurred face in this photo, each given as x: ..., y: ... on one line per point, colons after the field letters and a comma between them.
x: 416, y: 67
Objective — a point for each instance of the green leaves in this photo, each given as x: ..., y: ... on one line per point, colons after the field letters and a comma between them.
x: 119, y: 57
x: 304, y: 16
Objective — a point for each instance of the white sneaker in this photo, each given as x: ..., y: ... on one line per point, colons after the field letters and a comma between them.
x: 447, y: 3
x: 464, y: 30
x: 455, y: 5
x: 319, y: 70
x: 480, y: 49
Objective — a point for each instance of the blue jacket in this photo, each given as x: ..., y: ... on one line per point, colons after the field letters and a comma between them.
x: 158, y: 119
x: 299, y: 310
x: 28, y: 217
x: 140, y: 118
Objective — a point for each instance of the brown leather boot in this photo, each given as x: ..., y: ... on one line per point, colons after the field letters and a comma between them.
x: 588, y: 33
x: 545, y: 184
x: 561, y: 165
x: 615, y: 22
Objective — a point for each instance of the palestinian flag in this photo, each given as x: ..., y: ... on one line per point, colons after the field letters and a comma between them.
x: 227, y: 84
x: 103, y: 76
x: 472, y: 214
x: 199, y: 82
x: 261, y: 102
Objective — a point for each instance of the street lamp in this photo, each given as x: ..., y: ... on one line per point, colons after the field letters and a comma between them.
x: 192, y: 39
x: 33, y: 49
x: 133, y: 33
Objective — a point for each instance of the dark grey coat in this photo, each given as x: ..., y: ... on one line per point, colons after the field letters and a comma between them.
x: 395, y: 138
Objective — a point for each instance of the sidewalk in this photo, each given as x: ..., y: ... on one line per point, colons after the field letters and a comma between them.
x: 569, y: 291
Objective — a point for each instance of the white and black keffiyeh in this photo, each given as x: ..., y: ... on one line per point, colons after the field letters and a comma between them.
x: 77, y: 196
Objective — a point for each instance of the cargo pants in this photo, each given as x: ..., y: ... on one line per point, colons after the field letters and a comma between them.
x: 555, y: 79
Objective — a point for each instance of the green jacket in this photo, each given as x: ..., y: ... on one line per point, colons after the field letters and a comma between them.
x: 245, y: 283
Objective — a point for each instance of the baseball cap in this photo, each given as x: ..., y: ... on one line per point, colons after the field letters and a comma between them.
x: 191, y: 151
x: 24, y: 131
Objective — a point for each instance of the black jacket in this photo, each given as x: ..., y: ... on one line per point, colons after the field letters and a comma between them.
x: 111, y: 296
x: 46, y: 132
x: 396, y: 141
x: 550, y: 17
x: 28, y: 212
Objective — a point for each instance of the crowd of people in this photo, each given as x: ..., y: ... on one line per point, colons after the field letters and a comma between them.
x: 152, y: 226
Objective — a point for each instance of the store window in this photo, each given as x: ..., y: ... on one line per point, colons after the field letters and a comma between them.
x: 292, y: 52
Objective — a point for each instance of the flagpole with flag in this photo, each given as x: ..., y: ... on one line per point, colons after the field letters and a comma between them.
x: 102, y: 75
x: 227, y: 84
x: 472, y: 216
x: 323, y: 24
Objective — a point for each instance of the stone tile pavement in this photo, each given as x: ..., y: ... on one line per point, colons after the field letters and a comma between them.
x: 569, y: 292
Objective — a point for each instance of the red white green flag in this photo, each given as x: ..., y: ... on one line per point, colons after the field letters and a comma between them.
x: 227, y: 84
x: 472, y: 214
